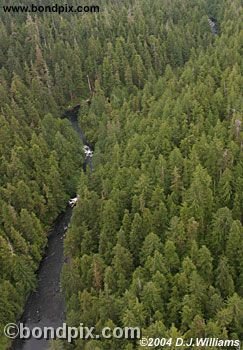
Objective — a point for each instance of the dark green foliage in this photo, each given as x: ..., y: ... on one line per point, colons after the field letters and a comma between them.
x: 167, y: 175
x: 41, y: 157
x: 156, y: 239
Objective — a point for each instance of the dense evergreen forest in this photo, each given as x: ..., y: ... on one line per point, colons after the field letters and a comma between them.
x: 156, y: 239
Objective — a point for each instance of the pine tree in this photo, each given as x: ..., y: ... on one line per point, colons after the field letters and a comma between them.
x: 224, y: 280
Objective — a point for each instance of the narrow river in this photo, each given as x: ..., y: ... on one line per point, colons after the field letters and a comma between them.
x: 45, y: 306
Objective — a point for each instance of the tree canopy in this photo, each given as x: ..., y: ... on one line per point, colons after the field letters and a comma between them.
x: 156, y: 240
